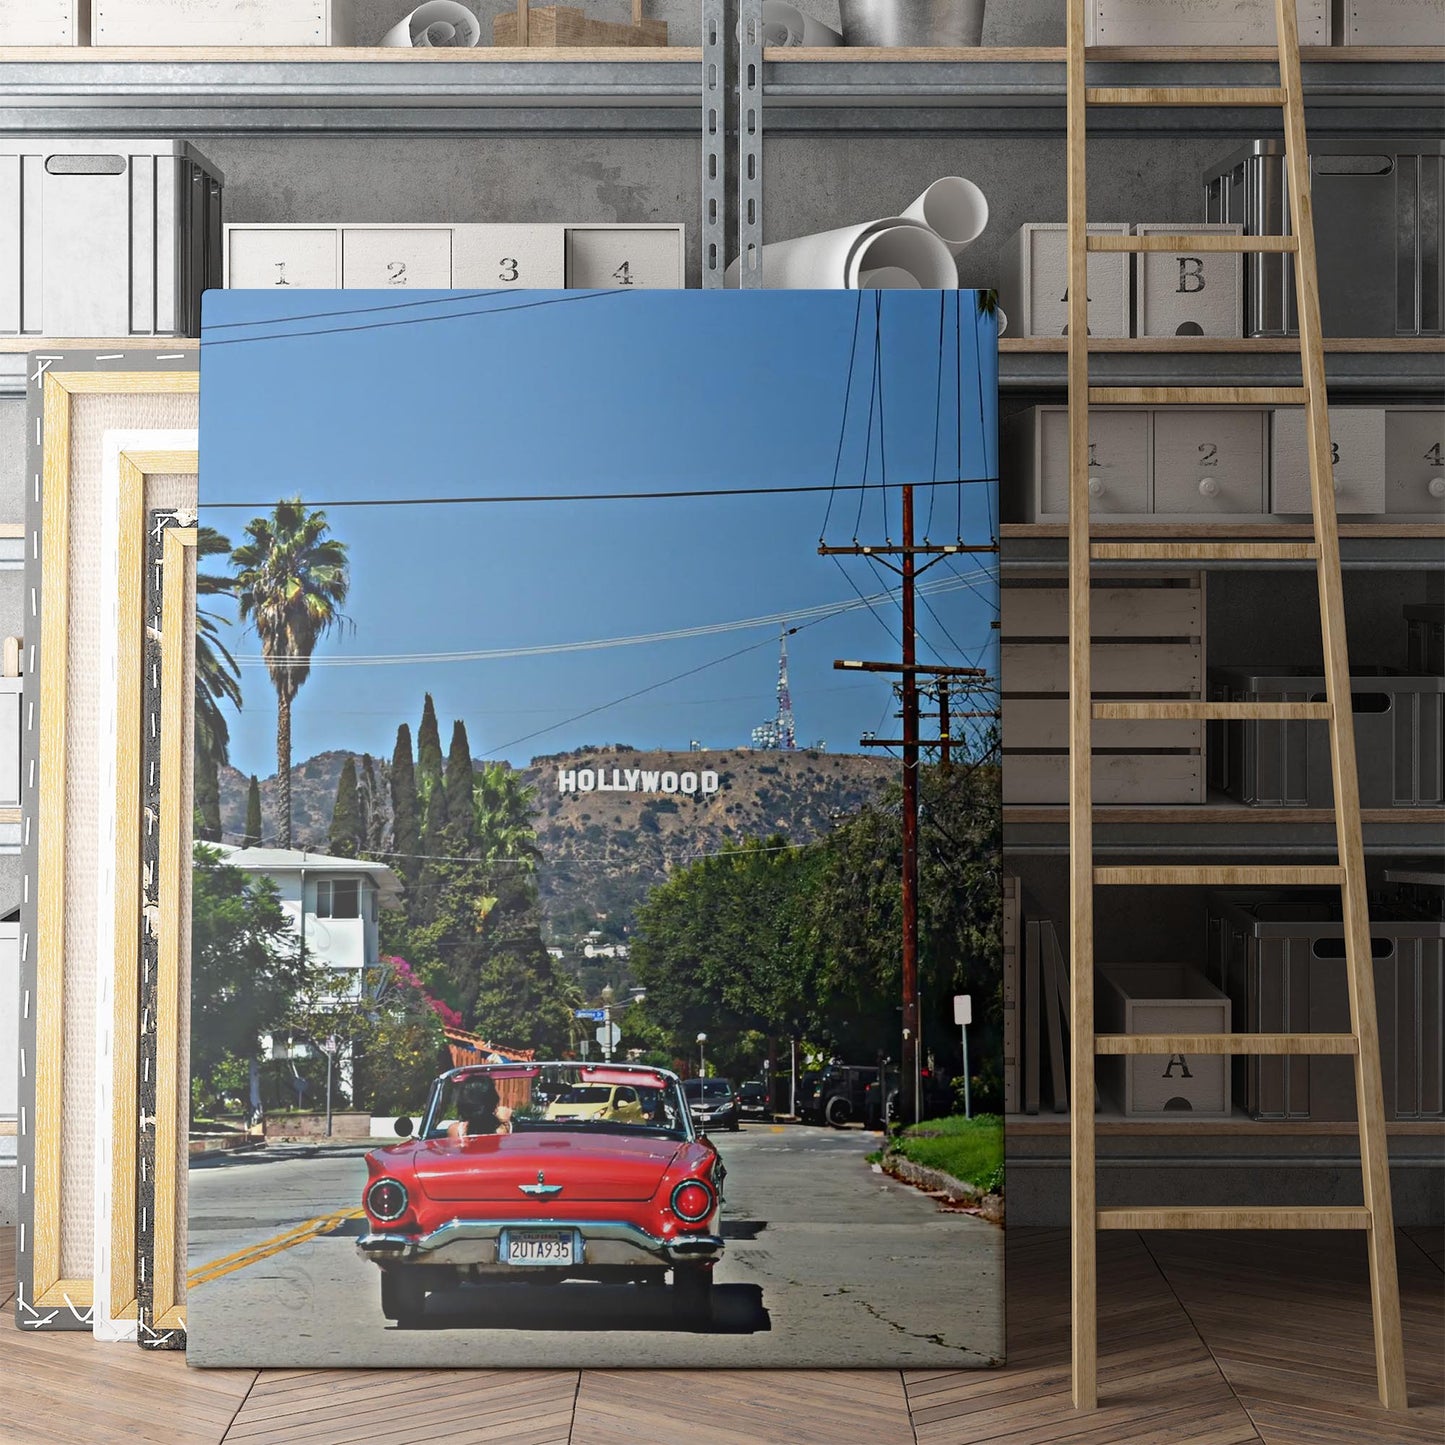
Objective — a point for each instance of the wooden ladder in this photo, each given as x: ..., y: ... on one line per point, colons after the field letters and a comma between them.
x: 1348, y: 874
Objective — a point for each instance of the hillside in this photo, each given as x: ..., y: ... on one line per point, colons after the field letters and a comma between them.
x: 603, y: 851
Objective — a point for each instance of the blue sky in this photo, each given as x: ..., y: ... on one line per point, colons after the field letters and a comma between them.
x: 520, y: 394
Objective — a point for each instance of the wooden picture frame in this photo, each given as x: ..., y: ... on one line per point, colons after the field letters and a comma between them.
x: 74, y: 400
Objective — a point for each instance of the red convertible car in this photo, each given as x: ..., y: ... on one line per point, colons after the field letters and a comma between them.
x: 547, y: 1172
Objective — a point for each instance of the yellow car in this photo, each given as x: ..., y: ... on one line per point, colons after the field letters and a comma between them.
x: 606, y: 1102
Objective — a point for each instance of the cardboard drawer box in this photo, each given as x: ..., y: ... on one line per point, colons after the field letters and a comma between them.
x: 604, y: 256
x: 1201, y: 22
x: 1118, y: 462
x: 1357, y: 443
x: 1389, y: 22
x: 1415, y: 459
x: 1281, y: 959
x: 380, y: 258
x: 106, y: 237
x: 222, y: 22
x: 499, y: 255
x: 1154, y: 998
x: 1034, y: 282
x: 44, y: 22
x: 306, y: 258
x: 1183, y: 293
x: 1208, y: 462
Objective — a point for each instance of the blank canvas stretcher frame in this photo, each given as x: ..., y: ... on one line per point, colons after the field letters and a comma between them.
x: 55, y: 1285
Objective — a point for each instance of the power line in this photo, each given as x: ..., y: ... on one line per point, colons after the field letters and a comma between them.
x: 843, y: 423
x: 445, y: 299
x: 671, y: 495
x: 415, y: 320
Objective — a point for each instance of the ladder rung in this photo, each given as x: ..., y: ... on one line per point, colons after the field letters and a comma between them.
x: 1189, y: 241
x: 1205, y: 551
x: 1267, y: 1044
x: 1185, y: 95
x: 1204, y: 711
x: 1235, y: 876
x: 1313, y: 1216
x: 1198, y: 395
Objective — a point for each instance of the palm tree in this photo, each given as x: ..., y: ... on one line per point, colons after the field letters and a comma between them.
x: 503, y: 818
x: 218, y: 680
x: 291, y: 581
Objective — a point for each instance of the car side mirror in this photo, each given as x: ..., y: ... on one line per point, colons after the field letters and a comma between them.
x: 405, y: 1128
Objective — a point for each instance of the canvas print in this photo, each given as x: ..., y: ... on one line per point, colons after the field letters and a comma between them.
x: 595, y: 898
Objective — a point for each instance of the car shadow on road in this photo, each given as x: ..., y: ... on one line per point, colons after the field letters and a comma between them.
x: 737, y: 1309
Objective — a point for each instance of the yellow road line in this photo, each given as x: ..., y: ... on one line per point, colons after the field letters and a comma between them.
x: 266, y: 1248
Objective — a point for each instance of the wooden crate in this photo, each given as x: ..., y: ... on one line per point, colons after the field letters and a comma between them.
x: 223, y: 22
x: 1163, y: 998
x: 1148, y: 636
x: 1200, y: 22
x: 44, y: 22
x: 1389, y: 22
x: 553, y: 26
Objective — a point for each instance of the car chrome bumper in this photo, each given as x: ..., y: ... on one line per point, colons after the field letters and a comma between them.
x: 598, y: 1242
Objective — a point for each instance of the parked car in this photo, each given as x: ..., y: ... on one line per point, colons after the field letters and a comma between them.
x: 494, y: 1186
x: 839, y: 1097
x: 880, y: 1104
x: 714, y: 1103
x: 597, y: 1101
x: 753, y: 1100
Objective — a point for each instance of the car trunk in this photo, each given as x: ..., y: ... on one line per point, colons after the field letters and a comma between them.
x: 497, y: 1166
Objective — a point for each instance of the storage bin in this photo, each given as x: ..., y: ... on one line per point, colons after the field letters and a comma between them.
x: 1200, y: 22
x: 1163, y: 998
x: 1183, y: 293
x: 1389, y: 22
x: 44, y: 22
x: 1425, y: 637
x: 1038, y: 454
x: 1377, y: 212
x: 1357, y: 447
x: 106, y: 237
x: 1399, y: 739
x: 223, y: 22
x: 642, y: 256
x: 1415, y: 460
x: 1034, y: 282
x: 1281, y: 961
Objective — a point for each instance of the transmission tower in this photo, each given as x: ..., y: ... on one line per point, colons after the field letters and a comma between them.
x: 779, y: 734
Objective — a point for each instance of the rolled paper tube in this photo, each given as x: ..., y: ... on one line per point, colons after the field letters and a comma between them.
x: 437, y: 25
x: 954, y: 209
x: 786, y: 25
x: 836, y: 260
x: 887, y: 278
x: 1002, y: 319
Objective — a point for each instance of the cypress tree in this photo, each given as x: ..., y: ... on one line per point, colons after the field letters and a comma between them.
x: 405, y: 832
x: 459, y: 785
x: 346, y: 815
x: 429, y: 775
x: 373, y: 816
x: 252, y: 837
x: 208, y: 799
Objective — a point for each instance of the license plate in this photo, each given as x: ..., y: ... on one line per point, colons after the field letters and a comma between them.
x: 540, y: 1248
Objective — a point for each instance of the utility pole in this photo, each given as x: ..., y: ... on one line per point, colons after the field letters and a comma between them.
x: 910, y: 1063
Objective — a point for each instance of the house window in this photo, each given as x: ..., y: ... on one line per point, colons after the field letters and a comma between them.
x: 338, y: 898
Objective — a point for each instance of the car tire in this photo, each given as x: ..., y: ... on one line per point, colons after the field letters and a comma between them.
x: 403, y: 1295
x: 837, y: 1111
x: 692, y: 1294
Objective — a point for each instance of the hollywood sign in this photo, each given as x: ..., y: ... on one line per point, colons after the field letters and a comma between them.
x: 634, y: 780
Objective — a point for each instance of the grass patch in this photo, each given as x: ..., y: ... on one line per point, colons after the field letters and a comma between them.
x: 968, y: 1149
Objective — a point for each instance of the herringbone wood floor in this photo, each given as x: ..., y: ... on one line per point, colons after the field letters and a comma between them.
x: 1205, y: 1340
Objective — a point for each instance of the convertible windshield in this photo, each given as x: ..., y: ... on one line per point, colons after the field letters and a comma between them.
x: 557, y: 1098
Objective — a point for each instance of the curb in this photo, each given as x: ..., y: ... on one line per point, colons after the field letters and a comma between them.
x: 935, y: 1181
x: 225, y: 1144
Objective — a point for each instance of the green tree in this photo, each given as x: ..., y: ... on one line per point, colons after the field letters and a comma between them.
x: 218, y: 681
x: 346, y: 827
x: 405, y: 830
x: 245, y: 964
x: 291, y: 582
x: 504, y: 818
x: 252, y: 838
x: 373, y: 814
x: 459, y: 785
x: 430, y: 776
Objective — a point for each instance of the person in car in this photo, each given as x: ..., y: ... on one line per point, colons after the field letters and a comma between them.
x: 481, y: 1111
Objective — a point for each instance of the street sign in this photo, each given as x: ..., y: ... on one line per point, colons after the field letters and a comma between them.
x: 962, y: 1009
x: 591, y: 1015
x: 608, y: 1036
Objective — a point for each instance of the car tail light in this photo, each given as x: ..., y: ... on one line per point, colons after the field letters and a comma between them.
x: 692, y: 1200
x: 386, y: 1199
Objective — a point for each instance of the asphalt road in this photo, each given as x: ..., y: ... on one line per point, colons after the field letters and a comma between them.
x: 830, y: 1263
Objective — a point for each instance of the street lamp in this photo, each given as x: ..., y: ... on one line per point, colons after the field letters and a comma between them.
x: 701, y: 1059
